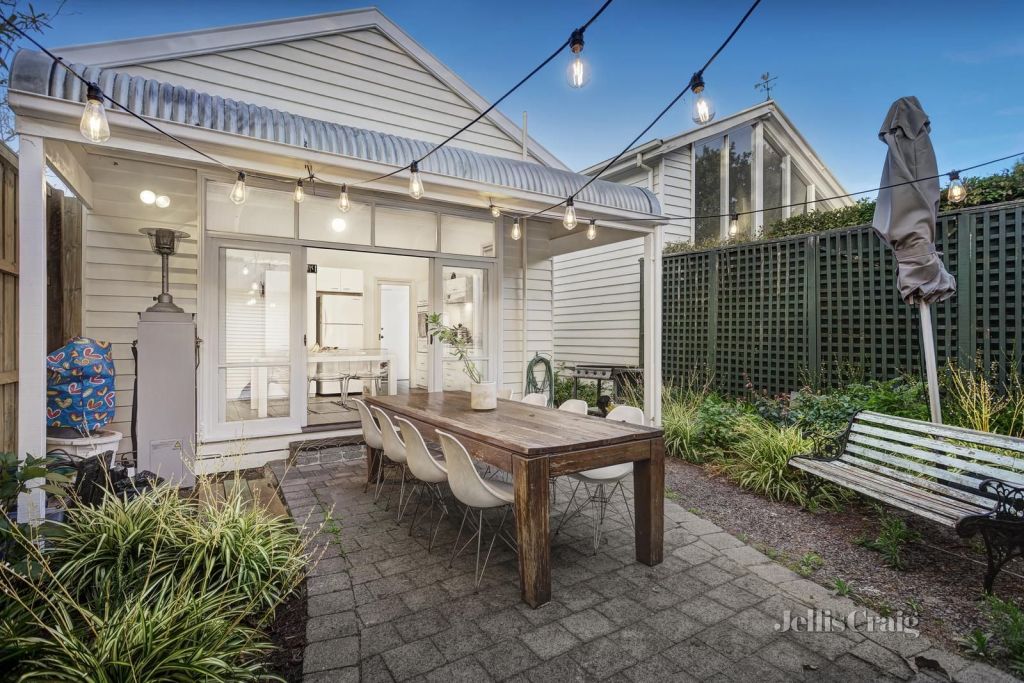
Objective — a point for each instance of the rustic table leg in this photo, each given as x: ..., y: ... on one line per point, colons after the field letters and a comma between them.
x: 532, y: 524
x: 649, y: 494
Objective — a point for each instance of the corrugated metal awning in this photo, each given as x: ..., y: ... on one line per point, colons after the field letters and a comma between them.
x: 34, y: 72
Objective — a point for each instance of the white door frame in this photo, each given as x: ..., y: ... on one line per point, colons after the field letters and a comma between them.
x: 493, y: 327
x: 211, y: 394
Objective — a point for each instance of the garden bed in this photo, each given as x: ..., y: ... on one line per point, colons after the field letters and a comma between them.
x: 942, y: 583
x: 288, y: 634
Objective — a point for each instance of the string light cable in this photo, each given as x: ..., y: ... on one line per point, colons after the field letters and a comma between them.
x: 696, y: 83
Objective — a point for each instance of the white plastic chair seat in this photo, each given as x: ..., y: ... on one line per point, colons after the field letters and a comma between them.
x: 501, y: 489
x: 371, y: 432
x: 603, y: 475
x: 421, y: 461
x: 465, y: 481
x: 536, y: 399
x: 574, y: 405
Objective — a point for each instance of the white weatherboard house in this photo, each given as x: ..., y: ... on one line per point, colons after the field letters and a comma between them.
x: 752, y: 160
x: 353, y: 96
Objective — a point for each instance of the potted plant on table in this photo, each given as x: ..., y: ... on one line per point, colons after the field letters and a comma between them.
x: 482, y: 395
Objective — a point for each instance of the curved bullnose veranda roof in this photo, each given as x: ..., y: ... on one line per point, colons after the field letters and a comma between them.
x: 34, y: 72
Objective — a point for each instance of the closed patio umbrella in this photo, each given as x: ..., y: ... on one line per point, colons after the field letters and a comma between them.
x: 905, y: 217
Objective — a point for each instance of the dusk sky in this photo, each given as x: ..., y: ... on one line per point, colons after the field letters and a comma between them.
x: 839, y: 64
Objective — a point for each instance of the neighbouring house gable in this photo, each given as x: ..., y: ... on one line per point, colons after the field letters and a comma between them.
x: 366, y: 73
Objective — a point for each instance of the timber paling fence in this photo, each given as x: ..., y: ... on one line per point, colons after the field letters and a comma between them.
x: 815, y: 308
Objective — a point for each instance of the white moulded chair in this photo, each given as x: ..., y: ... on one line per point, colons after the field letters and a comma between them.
x: 394, y: 451
x: 374, y: 444
x: 429, y: 472
x: 600, y: 479
x: 575, y: 405
x: 478, y: 495
x: 536, y: 399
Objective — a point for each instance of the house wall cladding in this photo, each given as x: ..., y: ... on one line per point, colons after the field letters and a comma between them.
x: 779, y: 314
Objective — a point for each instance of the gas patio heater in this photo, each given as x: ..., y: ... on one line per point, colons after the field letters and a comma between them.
x: 164, y: 421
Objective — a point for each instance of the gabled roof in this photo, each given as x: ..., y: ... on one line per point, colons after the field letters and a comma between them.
x: 137, y: 51
x: 35, y: 73
x: 768, y: 111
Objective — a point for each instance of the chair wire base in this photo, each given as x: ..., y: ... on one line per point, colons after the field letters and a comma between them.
x: 481, y: 527
x: 600, y: 497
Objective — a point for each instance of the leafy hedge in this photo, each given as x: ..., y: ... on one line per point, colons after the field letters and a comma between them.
x: 1003, y: 186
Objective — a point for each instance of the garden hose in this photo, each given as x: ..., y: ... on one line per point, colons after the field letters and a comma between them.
x: 547, y: 385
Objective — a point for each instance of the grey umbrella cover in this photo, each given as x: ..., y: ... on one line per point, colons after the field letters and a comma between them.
x: 905, y: 216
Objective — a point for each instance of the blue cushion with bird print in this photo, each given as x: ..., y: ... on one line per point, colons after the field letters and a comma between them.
x: 80, y: 385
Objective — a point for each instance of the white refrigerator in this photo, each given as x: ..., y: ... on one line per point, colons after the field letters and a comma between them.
x: 339, y: 322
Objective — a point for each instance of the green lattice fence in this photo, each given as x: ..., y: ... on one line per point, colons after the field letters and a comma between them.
x: 777, y: 314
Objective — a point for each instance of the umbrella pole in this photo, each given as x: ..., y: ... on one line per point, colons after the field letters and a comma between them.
x: 931, y: 371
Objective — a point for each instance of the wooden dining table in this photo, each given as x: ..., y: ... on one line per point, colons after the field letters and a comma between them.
x: 533, y: 444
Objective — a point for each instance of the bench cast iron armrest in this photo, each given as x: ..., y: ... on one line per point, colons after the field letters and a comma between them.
x: 827, y: 448
x: 1002, y: 528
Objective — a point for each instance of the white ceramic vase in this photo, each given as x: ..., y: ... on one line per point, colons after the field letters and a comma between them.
x: 483, y: 395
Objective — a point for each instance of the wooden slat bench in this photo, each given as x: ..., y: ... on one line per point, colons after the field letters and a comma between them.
x: 970, y: 481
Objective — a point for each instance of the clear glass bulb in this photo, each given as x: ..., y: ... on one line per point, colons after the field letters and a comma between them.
x: 251, y: 301
x: 245, y: 270
x: 592, y: 230
x: 300, y: 193
x: 578, y: 73
x: 147, y: 196
x: 734, y: 225
x: 237, y: 195
x: 956, y: 192
x: 415, y: 182
x: 343, y: 202
x: 569, y: 220
x: 254, y: 286
x: 516, y: 230
x: 703, y: 112
x: 495, y: 211
x: 163, y: 201
x: 94, y: 124
x: 338, y: 225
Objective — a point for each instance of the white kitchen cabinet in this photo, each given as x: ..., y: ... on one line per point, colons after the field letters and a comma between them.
x: 346, y: 280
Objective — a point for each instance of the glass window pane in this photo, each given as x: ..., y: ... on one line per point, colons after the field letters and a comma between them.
x: 256, y: 393
x: 320, y: 219
x: 741, y: 187
x: 797, y: 193
x: 774, y: 170
x: 454, y: 377
x: 405, y: 229
x: 256, y: 301
x: 708, y: 190
x: 467, y: 236
x: 465, y: 307
x: 264, y: 212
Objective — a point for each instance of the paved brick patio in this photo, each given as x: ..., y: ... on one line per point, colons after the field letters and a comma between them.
x: 381, y: 609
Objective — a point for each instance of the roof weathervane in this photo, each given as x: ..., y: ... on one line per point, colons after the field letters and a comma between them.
x: 766, y: 84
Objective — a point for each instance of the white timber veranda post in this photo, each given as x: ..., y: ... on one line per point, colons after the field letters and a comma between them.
x: 31, y: 314
x: 653, y: 244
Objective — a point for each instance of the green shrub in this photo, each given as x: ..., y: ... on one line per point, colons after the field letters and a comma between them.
x: 977, y: 400
x: 563, y: 390
x: 829, y: 412
x: 893, y: 535
x: 158, y: 585
x: 701, y: 427
x: 1007, y: 629
x: 860, y: 213
x: 762, y: 452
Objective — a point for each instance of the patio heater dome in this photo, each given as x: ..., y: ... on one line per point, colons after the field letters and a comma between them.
x: 164, y: 242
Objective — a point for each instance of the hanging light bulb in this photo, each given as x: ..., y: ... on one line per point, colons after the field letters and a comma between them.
x: 245, y: 270
x: 300, y: 193
x: 578, y: 72
x: 592, y: 229
x: 338, y: 225
x: 956, y: 192
x: 495, y: 211
x: 415, y: 182
x: 254, y: 286
x: 702, y: 109
x: 343, y: 202
x: 94, y: 124
x: 516, y: 230
x: 147, y: 196
x: 238, y: 191
x: 163, y: 201
x: 569, y: 221
x: 734, y: 224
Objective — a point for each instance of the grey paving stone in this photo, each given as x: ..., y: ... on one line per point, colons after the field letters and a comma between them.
x: 674, y: 625
x: 588, y: 624
x: 376, y: 639
x: 506, y: 623
x: 373, y: 670
x: 656, y: 668
x: 887, y: 661
x: 549, y: 641
x: 330, y: 603
x: 640, y: 640
x: 696, y: 658
x: 412, y: 659
x: 752, y: 669
x: 460, y: 641
x: 507, y: 658
x: 602, y: 658
x: 349, y: 674
x: 381, y: 610
x: 733, y: 596
x: 562, y: 669
x: 422, y: 624
x: 706, y: 611
x: 331, y: 626
x: 465, y: 670
x: 331, y: 654
x: 622, y: 610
